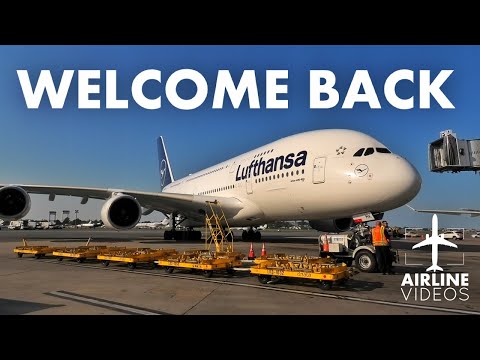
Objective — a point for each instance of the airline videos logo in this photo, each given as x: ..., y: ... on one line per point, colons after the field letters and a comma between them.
x: 433, y: 285
x: 262, y: 167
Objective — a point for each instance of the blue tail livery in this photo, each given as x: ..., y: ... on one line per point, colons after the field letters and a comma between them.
x: 166, y: 176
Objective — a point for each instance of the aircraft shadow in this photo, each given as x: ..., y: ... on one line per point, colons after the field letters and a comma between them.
x: 352, y: 285
x: 17, y: 307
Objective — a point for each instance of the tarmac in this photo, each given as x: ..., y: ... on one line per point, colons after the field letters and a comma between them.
x: 49, y: 287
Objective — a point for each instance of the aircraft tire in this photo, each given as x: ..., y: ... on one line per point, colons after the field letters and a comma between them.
x: 365, y: 261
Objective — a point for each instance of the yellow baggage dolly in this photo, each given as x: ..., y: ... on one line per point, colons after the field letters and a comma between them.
x: 134, y: 256
x: 203, y: 260
x: 81, y: 253
x: 323, y: 270
x: 218, y: 232
x: 37, y: 250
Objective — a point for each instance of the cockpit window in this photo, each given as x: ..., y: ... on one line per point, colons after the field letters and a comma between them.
x: 383, y: 150
x: 369, y: 151
x: 359, y: 152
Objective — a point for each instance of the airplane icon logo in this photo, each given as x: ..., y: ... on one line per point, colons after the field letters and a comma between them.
x: 434, y: 240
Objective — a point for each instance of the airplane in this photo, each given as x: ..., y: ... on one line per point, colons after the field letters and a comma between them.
x: 90, y: 225
x: 434, y: 240
x: 330, y: 177
x: 149, y: 225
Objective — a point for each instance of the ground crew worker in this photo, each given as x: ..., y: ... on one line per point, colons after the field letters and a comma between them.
x: 389, y: 238
x: 382, y: 248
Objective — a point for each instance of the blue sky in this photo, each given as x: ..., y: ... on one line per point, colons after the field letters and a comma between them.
x: 116, y: 147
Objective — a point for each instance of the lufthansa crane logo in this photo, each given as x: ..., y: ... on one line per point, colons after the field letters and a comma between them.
x: 361, y: 170
x: 163, y: 172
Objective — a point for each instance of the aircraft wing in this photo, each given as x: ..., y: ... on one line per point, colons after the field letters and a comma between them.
x: 166, y: 203
x: 471, y: 212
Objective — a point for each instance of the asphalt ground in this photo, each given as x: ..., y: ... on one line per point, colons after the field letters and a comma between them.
x: 47, y: 286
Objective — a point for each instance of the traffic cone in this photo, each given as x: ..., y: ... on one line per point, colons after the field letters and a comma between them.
x: 264, y: 252
x: 251, y: 254
x: 325, y: 245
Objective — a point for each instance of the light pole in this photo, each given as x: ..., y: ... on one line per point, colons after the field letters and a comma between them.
x: 76, y: 223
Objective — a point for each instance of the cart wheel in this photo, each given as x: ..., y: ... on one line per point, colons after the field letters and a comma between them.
x: 105, y: 262
x: 132, y: 265
x: 230, y: 271
x: 19, y: 254
x: 38, y: 256
x: 325, y: 285
x: 264, y: 278
x: 60, y: 258
x: 80, y: 260
x: 168, y: 269
x: 208, y: 273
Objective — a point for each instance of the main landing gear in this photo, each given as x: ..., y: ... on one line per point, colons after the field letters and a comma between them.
x: 189, y: 234
x: 251, y: 235
x: 175, y: 234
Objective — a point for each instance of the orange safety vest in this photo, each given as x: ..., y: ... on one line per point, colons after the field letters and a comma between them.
x: 378, y: 236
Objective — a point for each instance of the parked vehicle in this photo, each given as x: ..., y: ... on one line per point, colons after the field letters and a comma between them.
x: 452, y: 235
x: 476, y: 235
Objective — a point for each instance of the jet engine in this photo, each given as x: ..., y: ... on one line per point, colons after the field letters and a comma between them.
x: 14, y: 203
x: 121, y: 212
x: 332, y: 225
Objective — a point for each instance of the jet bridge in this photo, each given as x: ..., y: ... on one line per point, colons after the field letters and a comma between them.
x: 450, y: 154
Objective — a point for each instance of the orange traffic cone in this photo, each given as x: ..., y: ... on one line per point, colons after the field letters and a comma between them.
x: 325, y: 245
x: 251, y: 254
x: 264, y: 252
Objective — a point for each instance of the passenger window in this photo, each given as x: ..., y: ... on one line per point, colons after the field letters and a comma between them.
x: 369, y: 151
x: 359, y: 152
x: 383, y: 151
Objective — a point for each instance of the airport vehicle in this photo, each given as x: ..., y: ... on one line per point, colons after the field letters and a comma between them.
x: 349, y: 248
x: 476, y: 235
x: 411, y: 234
x: 22, y: 225
x: 43, y: 225
x: 329, y: 177
x: 324, y: 271
x: 15, y: 225
x: 452, y: 234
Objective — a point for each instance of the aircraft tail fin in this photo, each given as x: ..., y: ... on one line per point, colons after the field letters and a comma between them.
x: 166, y: 176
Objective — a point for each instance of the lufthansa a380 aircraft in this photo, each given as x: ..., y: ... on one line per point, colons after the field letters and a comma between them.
x: 332, y: 178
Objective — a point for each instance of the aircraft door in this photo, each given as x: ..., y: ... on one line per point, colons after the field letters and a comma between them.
x: 319, y: 170
x: 249, y: 186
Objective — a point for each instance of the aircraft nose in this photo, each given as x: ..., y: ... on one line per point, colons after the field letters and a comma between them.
x: 403, y: 181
